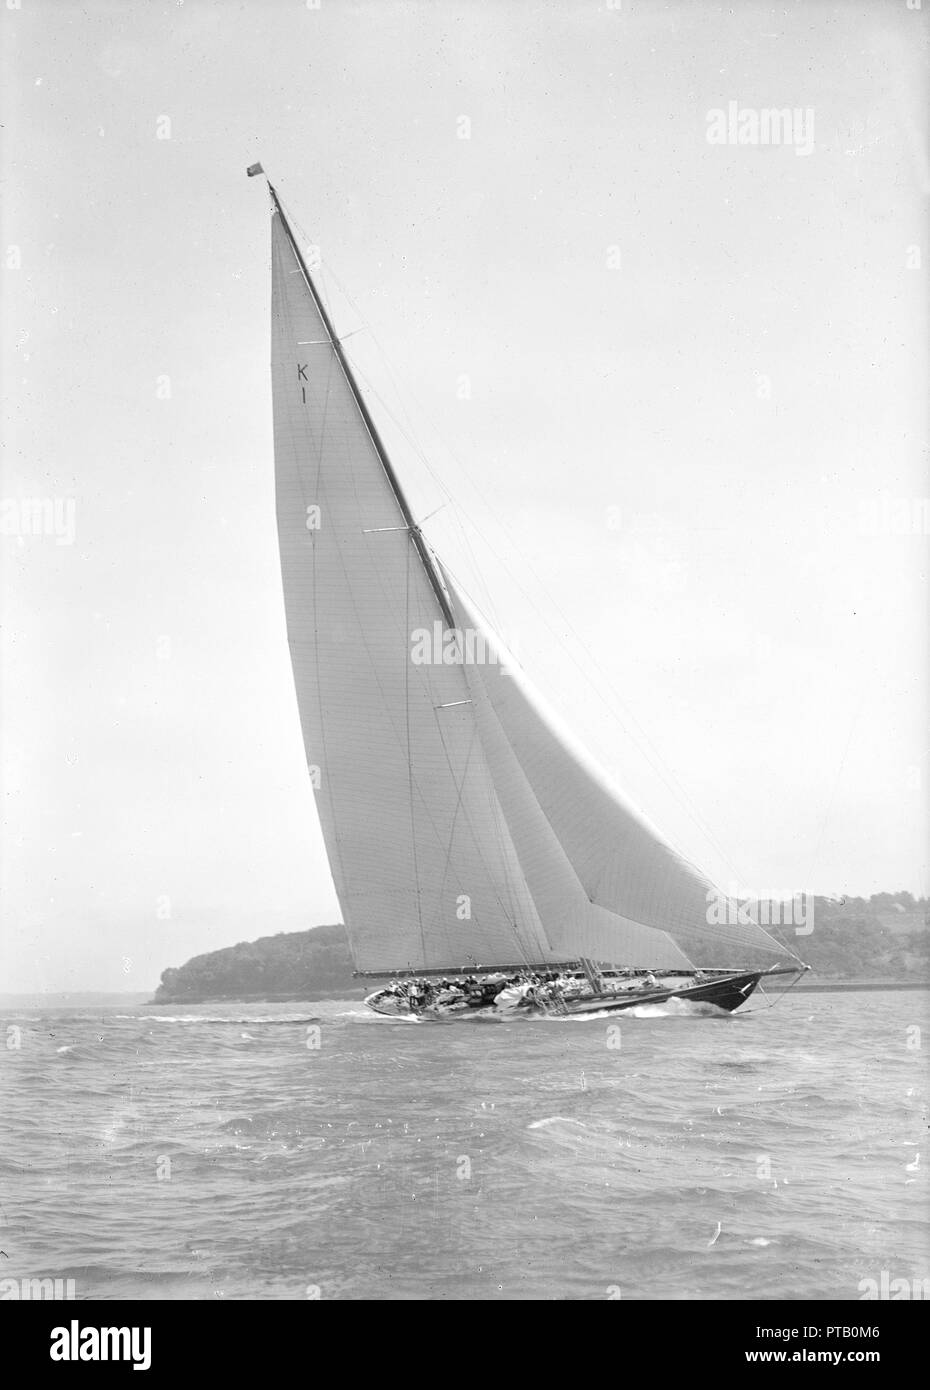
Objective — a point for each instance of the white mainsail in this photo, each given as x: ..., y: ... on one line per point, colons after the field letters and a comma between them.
x: 463, y: 828
x: 424, y: 866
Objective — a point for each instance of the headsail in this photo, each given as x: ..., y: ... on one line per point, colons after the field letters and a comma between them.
x: 605, y: 882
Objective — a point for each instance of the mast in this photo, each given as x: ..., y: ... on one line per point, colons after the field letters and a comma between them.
x: 380, y: 450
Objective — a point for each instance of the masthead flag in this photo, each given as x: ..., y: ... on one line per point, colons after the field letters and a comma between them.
x: 254, y: 169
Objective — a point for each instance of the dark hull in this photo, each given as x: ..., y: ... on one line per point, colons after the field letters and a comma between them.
x: 727, y: 994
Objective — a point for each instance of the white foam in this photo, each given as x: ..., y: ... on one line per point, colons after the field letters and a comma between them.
x: 557, y: 1120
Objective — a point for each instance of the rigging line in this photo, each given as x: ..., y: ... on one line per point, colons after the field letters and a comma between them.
x: 459, y: 788
x: 459, y: 806
x: 770, y: 1003
x: 476, y: 843
x: 491, y: 878
x: 499, y: 821
x: 506, y: 858
x: 449, y: 502
x: 543, y: 812
x: 733, y: 936
x: 836, y: 782
x: 456, y: 511
x: 508, y: 853
x: 410, y: 435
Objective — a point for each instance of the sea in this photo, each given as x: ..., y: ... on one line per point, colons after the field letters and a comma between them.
x: 318, y: 1151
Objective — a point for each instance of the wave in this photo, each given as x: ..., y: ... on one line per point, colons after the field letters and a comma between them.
x: 679, y: 1008
x: 237, y: 1019
x: 673, y: 1008
x: 369, y: 1015
x: 557, y: 1120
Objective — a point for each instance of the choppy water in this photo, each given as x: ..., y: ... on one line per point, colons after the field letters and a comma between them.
x: 209, y: 1152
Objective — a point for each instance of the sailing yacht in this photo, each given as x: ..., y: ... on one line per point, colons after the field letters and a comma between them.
x: 482, y: 861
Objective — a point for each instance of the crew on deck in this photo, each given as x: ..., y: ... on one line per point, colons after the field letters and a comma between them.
x: 481, y: 992
x: 535, y: 988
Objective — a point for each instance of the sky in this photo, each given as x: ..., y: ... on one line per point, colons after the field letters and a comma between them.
x: 666, y: 393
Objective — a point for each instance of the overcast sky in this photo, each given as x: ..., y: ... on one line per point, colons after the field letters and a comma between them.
x: 675, y: 388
